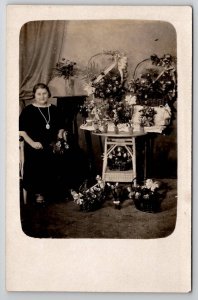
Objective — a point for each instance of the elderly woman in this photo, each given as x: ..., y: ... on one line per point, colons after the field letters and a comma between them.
x: 40, y: 124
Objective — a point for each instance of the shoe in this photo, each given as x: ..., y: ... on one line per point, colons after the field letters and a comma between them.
x: 40, y: 199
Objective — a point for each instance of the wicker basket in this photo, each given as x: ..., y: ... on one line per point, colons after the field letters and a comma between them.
x: 148, y: 205
x: 119, y: 176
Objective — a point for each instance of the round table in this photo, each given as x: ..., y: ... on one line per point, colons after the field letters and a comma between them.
x: 111, y: 141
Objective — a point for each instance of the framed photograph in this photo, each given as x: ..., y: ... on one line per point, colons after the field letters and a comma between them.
x: 99, y: 128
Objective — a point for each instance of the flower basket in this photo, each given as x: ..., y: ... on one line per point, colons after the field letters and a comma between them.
x: 146, y: 197
x: 105, y: 78
x: 92, y: 203
x: 90, y: 199
x: 152, y: 204
x: 119, y: 159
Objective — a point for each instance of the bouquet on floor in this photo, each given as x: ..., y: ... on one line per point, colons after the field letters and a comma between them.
x: 146, y: 197
x: 90, y: 199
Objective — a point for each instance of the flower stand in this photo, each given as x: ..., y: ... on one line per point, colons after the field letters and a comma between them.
x: 111, y: 141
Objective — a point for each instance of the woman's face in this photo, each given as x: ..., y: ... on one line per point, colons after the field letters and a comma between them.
x: 41, y: 96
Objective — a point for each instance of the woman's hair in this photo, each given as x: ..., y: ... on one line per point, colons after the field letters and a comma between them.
x: 41, y: 86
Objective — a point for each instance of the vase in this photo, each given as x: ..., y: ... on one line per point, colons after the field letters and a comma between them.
x: 116, y: 129
x: 69, y: 86
x: 105, y: 128
x: 130, y: 129
x: 89, y: 122
x: 141, y: 129
x: 96, y: 126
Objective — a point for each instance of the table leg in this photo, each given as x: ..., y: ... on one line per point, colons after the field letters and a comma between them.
x: 104, y: 166
x: 134, y: 160
x: 149, y: 155
x: 90, y: 153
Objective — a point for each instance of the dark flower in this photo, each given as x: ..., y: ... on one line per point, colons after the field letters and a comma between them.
x: 64, y: 68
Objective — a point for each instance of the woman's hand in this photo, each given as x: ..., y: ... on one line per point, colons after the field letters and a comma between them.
x: 36, y: 145
x: 61, y: 134
x: 33, y: 144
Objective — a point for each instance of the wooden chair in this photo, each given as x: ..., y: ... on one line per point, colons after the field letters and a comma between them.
x: 21, y: 166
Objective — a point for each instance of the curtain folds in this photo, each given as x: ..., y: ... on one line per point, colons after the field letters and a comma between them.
x: 40, y: 48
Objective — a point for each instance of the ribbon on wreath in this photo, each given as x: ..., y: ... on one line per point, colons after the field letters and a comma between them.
x: 120, y: 62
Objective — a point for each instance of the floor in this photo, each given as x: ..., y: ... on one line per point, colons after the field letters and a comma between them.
x: 63, y: 219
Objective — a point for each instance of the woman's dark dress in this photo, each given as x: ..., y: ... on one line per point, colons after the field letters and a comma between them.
x: 40, y: 167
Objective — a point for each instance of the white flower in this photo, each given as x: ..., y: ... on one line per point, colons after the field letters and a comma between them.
x: 122, y: 62
x: 137, y: 195
x: 79, y: 201
x: 131, y: 100
x: 155, y: 186
x: 152, y: 185
x: 77, y: 197
x: 149, y: 183
x: 168, y: 109
x: 89, y: 89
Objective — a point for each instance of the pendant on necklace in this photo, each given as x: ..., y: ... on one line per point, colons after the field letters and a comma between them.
x: 47, y: 126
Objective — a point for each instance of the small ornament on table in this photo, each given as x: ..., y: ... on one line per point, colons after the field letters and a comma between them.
x: 116, y: 129
x: 105, y: 125
x: 130, y: 127
x: 141, y: 128
x: 89, y: 122
x: 96, y: 126
x: 115, y: 121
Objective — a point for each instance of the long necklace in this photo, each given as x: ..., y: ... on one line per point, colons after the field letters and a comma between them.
x: 47, y: 122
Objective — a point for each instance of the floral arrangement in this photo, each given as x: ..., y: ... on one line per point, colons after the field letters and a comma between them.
x: 155, y: 84
x: 110, y: 86
x: 90, y: 199
x: 113, y: 98
x: 65, y: 68
x: 117, y: 193
x: 107, y: 110
x: 61, y: 146
x: 147, y: 116
x: 107, y: 90
x: 146, y: 197
x: 119, y: 159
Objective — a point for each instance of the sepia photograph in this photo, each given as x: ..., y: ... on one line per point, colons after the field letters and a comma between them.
x: 98, y: 129
x: 99, y: 148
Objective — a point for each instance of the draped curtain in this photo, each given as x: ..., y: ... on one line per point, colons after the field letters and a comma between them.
x: 40, y: 48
